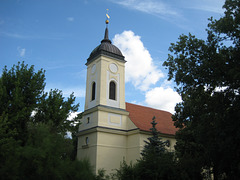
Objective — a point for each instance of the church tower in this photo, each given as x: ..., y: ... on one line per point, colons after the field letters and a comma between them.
x: 104, y: 124
x: 105, y: 76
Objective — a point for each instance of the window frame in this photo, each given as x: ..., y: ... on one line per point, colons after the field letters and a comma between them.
x: 113, y: 90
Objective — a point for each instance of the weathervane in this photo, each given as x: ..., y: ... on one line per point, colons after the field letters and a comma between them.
x: 108, y: 17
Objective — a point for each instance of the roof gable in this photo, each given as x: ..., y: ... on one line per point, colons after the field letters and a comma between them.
x: 142, y: 117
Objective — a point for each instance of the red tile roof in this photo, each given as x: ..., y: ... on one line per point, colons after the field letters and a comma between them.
x: 142, y: 117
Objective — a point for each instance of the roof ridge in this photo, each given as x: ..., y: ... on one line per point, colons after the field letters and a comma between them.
x: 147, y: 107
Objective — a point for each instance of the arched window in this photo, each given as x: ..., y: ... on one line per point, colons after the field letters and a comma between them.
x: 93, y: 91
x: 112, y: 90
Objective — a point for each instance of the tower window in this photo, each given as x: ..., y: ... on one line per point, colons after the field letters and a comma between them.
x: 93, y: 91
x: 112, y: 90
x: 86, y: 140
x: 88, y: 120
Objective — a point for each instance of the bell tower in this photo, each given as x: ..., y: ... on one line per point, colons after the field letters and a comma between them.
x: 104, y: 124
x: 105, y: 76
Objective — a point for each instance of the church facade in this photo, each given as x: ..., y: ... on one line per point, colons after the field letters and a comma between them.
x: 112, y: 130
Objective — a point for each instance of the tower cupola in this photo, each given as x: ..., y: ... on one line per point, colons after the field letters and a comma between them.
x: 106, y: 48
x: 105, y: 75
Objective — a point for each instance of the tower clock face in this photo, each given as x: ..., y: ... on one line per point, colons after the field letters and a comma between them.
x: 113, y: 67
x: 93, y: 69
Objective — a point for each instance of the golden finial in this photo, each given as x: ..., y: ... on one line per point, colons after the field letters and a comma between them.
x: 108, y: 17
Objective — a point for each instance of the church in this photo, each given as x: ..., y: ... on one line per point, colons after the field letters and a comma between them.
x: 112, y: 130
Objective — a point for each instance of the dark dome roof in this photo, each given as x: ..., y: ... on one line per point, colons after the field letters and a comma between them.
x: 107, y: 48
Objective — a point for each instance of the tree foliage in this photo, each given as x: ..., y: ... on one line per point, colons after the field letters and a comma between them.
x: 33, y: 127
x: 207, y: 73
x: 54, y: 109
x: 156, y: 162
x: 154, y: 146
x: 20, y: 92
x: 127, y: 172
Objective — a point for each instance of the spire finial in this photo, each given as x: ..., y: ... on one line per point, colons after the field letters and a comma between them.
x: 108, y: 17
x: 106, y: 39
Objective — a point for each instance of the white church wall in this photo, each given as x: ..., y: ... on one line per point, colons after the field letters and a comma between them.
x: 111, y: 150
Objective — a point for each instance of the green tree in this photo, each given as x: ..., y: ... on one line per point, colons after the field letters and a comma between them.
x: 207, y: 74
x: 45, y: 156
x: 55, y: 110
x: 156, y: 162
x: 154, y: 146
x: 8, y: 149
x: 20, y: 92
x: 33, y: 127
x: 127, y: 172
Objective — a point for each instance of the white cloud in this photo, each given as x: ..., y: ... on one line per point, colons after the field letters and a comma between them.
x: 71, y: 19
x: 140, y: 69
x: 21, y: 51
x: 164, y: 9
x: 13, y: 35
x: 72, y: 115
x: 153, y: 7
x: 162, y: 98
x: 214, y: 6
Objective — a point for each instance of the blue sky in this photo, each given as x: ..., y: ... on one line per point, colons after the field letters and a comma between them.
x: 59, y: 35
